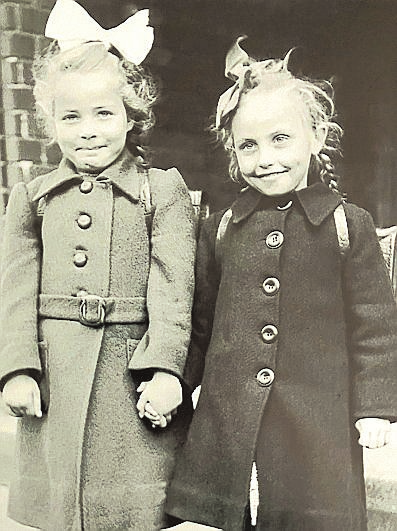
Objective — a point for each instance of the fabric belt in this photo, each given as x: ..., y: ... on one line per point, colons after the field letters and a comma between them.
x: 92, y: 310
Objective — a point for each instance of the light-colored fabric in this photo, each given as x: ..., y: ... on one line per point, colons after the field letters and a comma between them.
x: 91, y: 446
x: 71, y: 25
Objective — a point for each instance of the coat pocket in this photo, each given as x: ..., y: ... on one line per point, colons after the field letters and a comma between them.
x: 131, y: 346
x: 44, y: 382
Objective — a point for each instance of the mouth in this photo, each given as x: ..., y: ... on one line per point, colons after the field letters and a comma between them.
x: 269, y: 175
x: 93, y: 148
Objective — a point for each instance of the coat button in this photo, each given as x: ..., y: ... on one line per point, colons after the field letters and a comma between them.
x: 269, y: 333
x: 274, y: 239
x: 84, y: 221
x: 286, y: 206
x: 80, y: 259
x: 271, y: 285
x: 86, y: 187
x: 265, y: 377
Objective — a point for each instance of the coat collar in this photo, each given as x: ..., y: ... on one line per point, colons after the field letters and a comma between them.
x: 317, y: 201
x: 122, y: 173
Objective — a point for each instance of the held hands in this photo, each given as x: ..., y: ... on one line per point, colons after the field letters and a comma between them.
x: 21, y: 395
x: 159, y: 398
x: 374, y: 432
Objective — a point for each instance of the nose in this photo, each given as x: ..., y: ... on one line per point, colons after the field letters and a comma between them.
x: 87, y: 130
x: 266, y: 157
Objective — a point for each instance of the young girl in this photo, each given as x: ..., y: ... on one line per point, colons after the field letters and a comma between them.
x: 96, y: 302
x: 294, y: 341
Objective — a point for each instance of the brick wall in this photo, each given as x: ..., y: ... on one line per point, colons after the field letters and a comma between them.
x: 24, y: 152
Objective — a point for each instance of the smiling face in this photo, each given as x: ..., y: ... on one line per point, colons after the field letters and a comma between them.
x: 90, y: 120
x: 274, y: 140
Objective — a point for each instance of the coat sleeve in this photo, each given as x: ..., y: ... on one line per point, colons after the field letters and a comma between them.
x: 371, y: 317
x: 20, y: 265
x: 206, y: 293
x: 171, y: 277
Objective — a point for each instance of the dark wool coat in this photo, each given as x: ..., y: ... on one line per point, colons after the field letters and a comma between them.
x: 91, y: 461
x: 332, y: 348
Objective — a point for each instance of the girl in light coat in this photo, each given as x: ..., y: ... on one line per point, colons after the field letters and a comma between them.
x: 97, y: 282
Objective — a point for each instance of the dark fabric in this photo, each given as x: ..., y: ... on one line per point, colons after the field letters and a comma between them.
x: 334, y: 361
x: 90, y: 460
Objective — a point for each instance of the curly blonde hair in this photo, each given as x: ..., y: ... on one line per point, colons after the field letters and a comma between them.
x: 136, y: 86
x: 318, y: 96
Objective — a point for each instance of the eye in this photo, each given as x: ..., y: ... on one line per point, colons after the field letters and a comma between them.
x: 279, y: 139
x: 104, y: 113
x: 248, y: 145
x: 70, y: 117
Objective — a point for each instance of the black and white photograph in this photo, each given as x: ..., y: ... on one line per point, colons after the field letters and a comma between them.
x: 198, y: 265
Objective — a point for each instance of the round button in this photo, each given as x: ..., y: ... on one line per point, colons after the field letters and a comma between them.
x: 285, y: 207
x: 271, y: 285
x: 274, y: 239
x: 86, y: 187
x: 269, y: 333
x: 80, y: 259
x: 265, y: 377
x: 84, y: 221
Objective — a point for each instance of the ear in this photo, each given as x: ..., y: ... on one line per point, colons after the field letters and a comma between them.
x: 130, y: 125
x: 320, y: 134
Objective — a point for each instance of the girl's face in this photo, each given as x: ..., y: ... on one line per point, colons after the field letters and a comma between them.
x: 90, y: 120
x: 274, y: 140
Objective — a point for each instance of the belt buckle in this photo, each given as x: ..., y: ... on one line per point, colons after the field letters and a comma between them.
x: 92, y: 311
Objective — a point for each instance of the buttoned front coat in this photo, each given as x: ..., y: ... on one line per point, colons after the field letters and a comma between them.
x: 331, y: 346
x: 90, y: 461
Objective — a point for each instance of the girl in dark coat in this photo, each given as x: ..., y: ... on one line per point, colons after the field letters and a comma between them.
x: 294, y: 334
x: 97, y: 285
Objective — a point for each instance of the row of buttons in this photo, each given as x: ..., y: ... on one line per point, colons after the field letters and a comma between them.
x: 271, y: 286
x: 84, y: 221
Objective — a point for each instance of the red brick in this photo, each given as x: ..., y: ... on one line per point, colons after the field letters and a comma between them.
x: 23, y: 1
x: 33, y: 21
x: 3, y: 170
x: 41, y: 169
x: 26, y: 73
x: 3, y: 155
x: 21, y: 124
x: 47, y: 4
x: 53, y: 154
x: 17, y: 45
x: 22, y: 149
x: 42, y: 44
x: 3, y: 200
x: 18, y: 98
x: 8, y: 17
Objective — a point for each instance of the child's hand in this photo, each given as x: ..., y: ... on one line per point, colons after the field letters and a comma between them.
x: 159, y: 398
x: 21, y: 395
x: 374, y: 432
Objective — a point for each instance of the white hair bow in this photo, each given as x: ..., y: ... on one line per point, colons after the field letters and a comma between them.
x: 71, y: 25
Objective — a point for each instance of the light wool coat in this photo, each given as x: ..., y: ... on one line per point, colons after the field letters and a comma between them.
x: 90, y: 461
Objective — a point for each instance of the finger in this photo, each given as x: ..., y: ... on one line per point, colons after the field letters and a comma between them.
x: 140, y: 405
x: 142, y: 387
x: 150, y: 409
x: 168, y: 418
x: 37, y: 403
x: 174, y: 411
x: 151, y: 417
x: 163, y: 422
x: 363, y: 440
